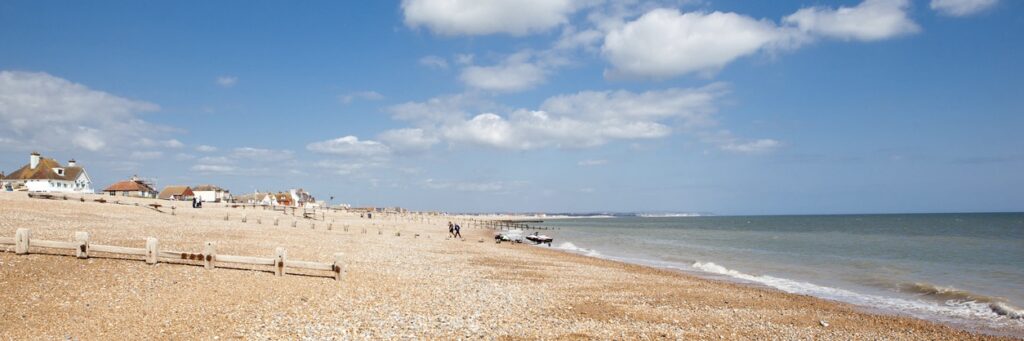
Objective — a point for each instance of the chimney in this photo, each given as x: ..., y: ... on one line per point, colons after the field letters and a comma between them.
x: 33, y: 160
x: 72, y: 163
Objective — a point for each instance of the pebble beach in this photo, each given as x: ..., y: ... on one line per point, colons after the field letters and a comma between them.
x: 404, y: 279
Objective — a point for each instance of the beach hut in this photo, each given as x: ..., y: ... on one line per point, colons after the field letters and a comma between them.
x: 176, y: 193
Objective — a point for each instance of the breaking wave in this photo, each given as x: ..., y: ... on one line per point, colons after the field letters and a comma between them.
x: 567, y: 246
x: 957, y: 303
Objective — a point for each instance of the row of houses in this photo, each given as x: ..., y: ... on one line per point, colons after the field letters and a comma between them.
x: 292, y: 197
x: 48, y: 175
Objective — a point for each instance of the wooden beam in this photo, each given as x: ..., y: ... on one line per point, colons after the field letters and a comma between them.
x: 21, y: 241
x: 152, y: 250
x: 280, y: 256
x: 117, y: 249
x: 245, y: 260
x: 209, y: 254
x: 82, y: 238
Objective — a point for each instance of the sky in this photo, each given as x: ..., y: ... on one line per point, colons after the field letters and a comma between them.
x: 724, y: 107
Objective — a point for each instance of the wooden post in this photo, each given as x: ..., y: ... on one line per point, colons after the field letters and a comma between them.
x: 330, y: 226
x: 209, y: 254
x: 259, y: 221
x: 339, y: 267
x: 275, y: 221
x: 21, y: 237
x: 279, y: 256
x: 226, y: 217
x: 82, y: 238
x: 312, y: 226
x: 245, y: 218
x: 152, y: 250
x: 293, y: 223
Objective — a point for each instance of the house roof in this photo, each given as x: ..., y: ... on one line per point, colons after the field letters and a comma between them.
x: 208, y: 188
x: 129, y: 186
x: 44, y: 171
x: 171, y: 191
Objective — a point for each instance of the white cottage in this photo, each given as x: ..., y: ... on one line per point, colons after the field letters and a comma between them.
x: 48, y: 175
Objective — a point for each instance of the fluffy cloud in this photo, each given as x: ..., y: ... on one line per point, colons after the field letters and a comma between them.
x: 361, y: 95
x: 409, y: 139
x: 441, y: 109
x: 349, y: 146
x: 584, y: 119
x: 227, y: 81
x: 46, y: 112
x: 870, y: 20
x: 206, y: 149
x: 480, y: 17
x: 580, y: 120
x: 508, y: 76
x: 664, y: 42
x: 959, y: 8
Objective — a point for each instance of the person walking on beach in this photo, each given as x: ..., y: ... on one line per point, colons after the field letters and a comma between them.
x: 457, y: 233
x: 451, y: 230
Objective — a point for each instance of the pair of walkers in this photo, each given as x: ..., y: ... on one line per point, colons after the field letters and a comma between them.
x: 454, y: 230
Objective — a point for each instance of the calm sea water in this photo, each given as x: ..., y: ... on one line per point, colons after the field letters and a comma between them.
x: 963, y: 269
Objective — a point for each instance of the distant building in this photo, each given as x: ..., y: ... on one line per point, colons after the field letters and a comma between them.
x: 176, y: 193
x: 255, y: 198
x: 47, y: 175
x: 134, y: 187
x: 211, y: 193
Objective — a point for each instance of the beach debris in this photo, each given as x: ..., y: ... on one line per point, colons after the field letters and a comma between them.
x: 823, y: 323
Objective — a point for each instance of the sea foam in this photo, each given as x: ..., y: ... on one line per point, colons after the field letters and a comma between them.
x: 993, y: 311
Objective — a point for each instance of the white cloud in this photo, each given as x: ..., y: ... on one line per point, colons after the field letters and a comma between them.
x: 664, y: 42
x: 202, y: 168
x: 260, y: 154
x: 147, y: 155
x: 727, y: 141
x: 42, y: 111
x: 591, y: 163
x: 434, y: 62
x: 441, y: 109
x: 206, y: 149
x: 361, y: 95
x: 349, y: 146
x: 960, y: 8
x: 580, y: 120
x: 227, y: 81
x: 480, y: 17
x: 870, y: 20
x: 508, y: 76
x: 409, y: 139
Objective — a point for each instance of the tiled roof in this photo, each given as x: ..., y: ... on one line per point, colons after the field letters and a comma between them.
x: 171, y: 191
x: 128, y: 186
x: 44, y: 171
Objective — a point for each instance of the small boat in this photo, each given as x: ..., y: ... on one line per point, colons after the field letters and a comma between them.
x: 515, y: 236
x: 538, y: 239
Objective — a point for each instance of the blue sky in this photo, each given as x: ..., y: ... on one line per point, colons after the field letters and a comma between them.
x: 730, y: 107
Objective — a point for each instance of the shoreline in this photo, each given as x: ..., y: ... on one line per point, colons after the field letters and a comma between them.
x: 965, y: 325
x: 417, y: 284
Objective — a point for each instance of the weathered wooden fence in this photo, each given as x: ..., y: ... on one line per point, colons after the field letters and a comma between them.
x: 23, y: 242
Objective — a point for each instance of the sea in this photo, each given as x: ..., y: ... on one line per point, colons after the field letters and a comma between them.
x: 966, y: 270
